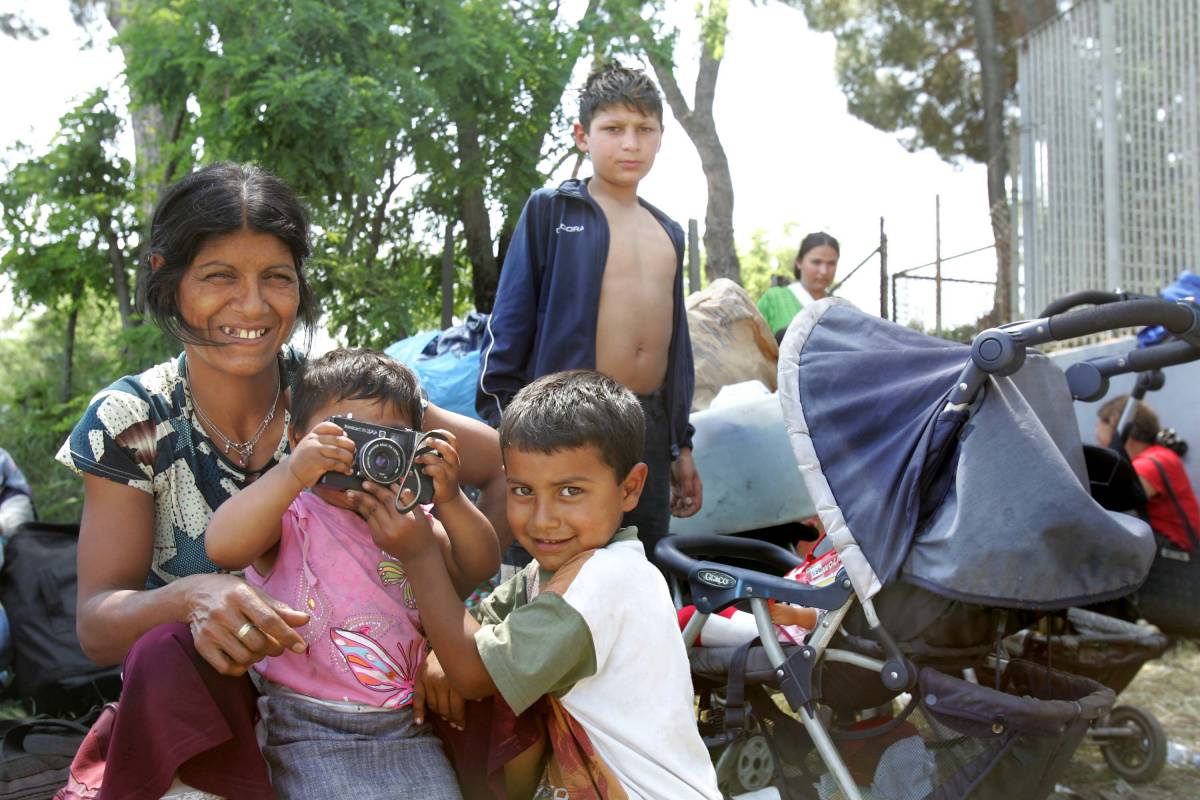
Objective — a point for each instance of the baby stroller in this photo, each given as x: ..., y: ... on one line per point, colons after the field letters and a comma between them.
x: 951, y: 482
x: 1112, y: 649
x: 1171, y: 593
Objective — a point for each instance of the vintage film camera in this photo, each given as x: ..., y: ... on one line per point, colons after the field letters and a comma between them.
x: 385, y: 456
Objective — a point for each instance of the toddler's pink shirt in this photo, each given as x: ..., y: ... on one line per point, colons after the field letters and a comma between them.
x: 364, y: 636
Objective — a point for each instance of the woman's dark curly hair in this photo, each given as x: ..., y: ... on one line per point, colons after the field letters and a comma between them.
x: 215, y: 201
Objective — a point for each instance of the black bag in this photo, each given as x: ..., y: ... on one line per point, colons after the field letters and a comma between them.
x: 1170, y: 596
x: 36, y: 756
x: 38, y: 590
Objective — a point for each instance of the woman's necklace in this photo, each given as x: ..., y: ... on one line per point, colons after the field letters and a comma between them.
x: 243, y: 449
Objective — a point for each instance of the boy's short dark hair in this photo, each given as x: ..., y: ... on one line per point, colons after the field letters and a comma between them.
x: 577, y: 408
x: 613, y: 84
x: 354, y: 374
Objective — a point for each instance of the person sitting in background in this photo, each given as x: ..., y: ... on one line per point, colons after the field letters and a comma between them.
x: 16, y: 508
x: 16, y: 498
x: 1172, y: 509
x: 815, y: 267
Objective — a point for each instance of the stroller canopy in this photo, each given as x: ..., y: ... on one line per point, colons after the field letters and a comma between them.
x: 988, y: 504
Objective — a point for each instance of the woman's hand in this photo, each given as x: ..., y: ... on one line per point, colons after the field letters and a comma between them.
x: 432, y: 691
x: 221, y: 606
x: 442, y: 465
x: 326, y: 448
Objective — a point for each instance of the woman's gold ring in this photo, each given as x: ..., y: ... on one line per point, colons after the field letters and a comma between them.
x: 242, y: 631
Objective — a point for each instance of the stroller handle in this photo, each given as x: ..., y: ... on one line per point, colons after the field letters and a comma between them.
x: 716, y: 585
x: 1001, y: 351
x: 1181, y: 319
x: 1088, y: 380
x: 1088, y: 297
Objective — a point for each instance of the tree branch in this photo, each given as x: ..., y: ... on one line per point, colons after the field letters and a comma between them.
x: 706, y: 83
x: 666, y: 79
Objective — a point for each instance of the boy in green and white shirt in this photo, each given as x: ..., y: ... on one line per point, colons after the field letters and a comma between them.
x: 590, y: 623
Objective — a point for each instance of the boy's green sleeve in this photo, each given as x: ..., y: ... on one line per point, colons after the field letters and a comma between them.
x: 503, y: 600
x: 543, y: 647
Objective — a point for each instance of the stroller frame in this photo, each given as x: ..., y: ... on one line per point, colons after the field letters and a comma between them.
x: 715, y: 586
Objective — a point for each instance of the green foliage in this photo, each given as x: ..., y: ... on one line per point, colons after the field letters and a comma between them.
x: 765, y: 259
x: 349, y: 100
x: 15, y: 26
x: 386, y: 117
x: 34, y: 420
x: 910, y: 66
x: 714, y: 26
x: 499, y: 70
x: 963, y: 333
x: 63, y: 212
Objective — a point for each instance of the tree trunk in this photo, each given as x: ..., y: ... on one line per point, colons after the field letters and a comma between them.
x: 997, y: 154
x: 448, y: 276
x: 477, y: 225
x: 721, y: 260
x: 116, y: 257
x: 69, y: 345
x: 154, y: 128
x: 719, y: 246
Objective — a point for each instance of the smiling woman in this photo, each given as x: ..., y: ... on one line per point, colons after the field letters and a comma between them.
x: 160, y: 451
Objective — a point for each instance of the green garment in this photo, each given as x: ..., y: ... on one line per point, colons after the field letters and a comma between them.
x: 778, y: 304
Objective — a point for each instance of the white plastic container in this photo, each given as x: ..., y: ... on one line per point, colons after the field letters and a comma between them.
x: 750, y: 476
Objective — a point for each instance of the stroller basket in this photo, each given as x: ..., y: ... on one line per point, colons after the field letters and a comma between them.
x: 1103, y: 648
x: 967, y: 740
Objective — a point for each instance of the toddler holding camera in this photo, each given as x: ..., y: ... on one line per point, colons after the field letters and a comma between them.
x: 338, y: 716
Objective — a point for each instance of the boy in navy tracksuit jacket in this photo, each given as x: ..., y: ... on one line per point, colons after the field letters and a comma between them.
x: 548, y: 310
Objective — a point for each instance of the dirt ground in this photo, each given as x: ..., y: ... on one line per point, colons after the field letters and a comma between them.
x: 1169, y: 689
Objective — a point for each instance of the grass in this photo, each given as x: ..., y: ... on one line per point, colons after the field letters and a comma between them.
x: 1168, y: 688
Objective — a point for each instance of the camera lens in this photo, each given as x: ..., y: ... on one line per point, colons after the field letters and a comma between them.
x: 382, y: 461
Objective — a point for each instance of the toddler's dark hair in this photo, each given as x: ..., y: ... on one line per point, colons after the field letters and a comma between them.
x: 568, y: 410
x: 356, y: 374
x: 613, y: 84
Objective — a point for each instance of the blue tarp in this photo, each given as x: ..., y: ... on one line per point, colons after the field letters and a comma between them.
x: 1185, y: 287
x: 448, y: 369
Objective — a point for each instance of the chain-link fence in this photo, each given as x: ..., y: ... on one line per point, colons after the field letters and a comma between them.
x: 1109, y: 93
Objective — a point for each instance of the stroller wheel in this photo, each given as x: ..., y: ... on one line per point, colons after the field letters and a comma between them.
x: 751, y: 765
x: 1138, y: 758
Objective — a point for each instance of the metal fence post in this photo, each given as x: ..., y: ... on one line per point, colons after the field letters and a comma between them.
x: 693, y: 256
x: 883, y: 275
x: 1110, y: 152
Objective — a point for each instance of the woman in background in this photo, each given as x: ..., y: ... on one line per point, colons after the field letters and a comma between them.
x: 815, y: 267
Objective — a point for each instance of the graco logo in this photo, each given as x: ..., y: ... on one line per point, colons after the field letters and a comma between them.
x: 568, y: 228
x: 718, y: 580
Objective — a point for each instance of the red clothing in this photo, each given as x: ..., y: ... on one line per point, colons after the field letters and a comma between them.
x: 1164, y: 518
x: 177, y: 715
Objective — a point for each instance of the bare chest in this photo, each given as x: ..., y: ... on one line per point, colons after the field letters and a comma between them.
x: 641, y: 263
x: 637, y: 302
